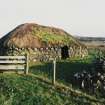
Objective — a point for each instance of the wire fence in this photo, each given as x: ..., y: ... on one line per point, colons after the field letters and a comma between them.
x: 62, y: 70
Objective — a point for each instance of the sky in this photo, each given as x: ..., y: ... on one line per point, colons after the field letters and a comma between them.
x: 77, y: 17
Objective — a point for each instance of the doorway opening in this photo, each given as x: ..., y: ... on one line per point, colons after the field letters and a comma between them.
x: 65, y: 52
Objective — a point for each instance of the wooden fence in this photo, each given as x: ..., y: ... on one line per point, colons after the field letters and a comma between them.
x: 14, y: 63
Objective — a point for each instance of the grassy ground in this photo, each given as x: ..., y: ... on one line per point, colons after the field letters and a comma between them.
x: 64, y: 69
x: 36, y: 88
x: 33, y: 90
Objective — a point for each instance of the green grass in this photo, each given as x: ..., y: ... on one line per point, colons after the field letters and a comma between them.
x: 32, y: 90
x: 65, y: 69
x: 47, y: 37
x: 37, y: 89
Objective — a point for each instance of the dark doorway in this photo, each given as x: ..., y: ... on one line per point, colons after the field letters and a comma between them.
x: 64, y: 52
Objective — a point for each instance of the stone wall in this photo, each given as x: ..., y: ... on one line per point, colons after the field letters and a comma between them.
x: 46, y: 54
x: 50, y: 53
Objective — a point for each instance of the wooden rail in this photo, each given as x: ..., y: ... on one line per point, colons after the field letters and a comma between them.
x: 8, y: 63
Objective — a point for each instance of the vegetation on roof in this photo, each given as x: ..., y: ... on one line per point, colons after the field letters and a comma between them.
x: 34, y: 35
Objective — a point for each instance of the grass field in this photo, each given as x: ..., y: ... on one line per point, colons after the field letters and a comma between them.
x: 32, y: 90
x: 36, y: 88
x: 65, y: 69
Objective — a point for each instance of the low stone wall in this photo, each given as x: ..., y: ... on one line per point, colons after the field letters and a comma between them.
x: 46, y: 54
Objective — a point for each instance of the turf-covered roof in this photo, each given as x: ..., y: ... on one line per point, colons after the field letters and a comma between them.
x: 30, y: 35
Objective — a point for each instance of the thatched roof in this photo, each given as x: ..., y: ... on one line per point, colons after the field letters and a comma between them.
x: 31, y: 35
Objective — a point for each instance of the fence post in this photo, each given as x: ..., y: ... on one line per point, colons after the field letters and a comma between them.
x: 54, y: 71
x: 27, y: 65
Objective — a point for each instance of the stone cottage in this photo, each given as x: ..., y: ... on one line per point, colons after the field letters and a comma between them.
x: 41, y: 42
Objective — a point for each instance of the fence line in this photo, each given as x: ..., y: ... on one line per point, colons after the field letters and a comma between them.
x: 8, y: 63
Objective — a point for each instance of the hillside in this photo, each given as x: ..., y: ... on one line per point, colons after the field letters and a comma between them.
x: 32, y: 90
x: 92, y: 41
x: 90, y: 38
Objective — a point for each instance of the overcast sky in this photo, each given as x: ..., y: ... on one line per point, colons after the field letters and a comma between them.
x: 78, y: 17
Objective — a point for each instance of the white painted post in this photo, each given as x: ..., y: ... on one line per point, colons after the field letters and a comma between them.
x: 27, y: 65
x: 54, y: 71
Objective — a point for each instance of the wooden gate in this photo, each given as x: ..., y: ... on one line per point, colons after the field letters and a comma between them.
x: 14, y: 63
